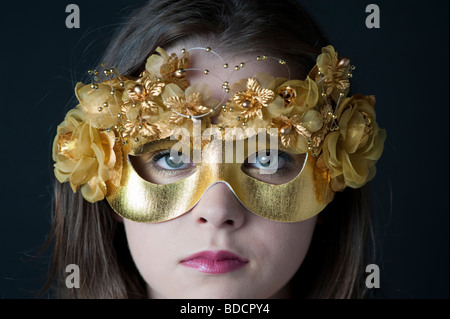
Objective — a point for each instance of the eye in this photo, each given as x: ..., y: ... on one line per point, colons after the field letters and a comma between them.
x: 171, y: 161
x: 272, y: 160
x: 273, y: 166
x: 163, y: 167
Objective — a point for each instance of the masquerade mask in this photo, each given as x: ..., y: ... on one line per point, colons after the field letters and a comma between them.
x: 325, y: 140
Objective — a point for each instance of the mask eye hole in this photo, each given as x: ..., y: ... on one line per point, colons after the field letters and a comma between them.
x: 163, y: 166
x: 273, y: 166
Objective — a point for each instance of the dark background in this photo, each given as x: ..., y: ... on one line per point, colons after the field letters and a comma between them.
x: 404, y: 63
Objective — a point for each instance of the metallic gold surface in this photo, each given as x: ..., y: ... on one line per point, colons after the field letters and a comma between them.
x: 142, y: 201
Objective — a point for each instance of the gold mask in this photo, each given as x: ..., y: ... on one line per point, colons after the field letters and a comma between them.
x: 337, y: 135
x: 295, y: 200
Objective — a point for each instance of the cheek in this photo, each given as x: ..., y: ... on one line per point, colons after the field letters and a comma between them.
x: 284, y: 246
x: 146, y: 248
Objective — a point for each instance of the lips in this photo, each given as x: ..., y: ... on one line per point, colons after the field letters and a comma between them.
x: 215, y: 262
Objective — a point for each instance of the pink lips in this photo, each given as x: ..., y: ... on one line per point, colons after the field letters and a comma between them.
x: 215, y: 262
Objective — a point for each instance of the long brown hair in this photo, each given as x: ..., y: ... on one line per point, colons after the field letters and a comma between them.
x: 87, y: 234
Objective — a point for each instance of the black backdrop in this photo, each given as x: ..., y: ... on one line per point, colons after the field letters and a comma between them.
x: 404, y: 63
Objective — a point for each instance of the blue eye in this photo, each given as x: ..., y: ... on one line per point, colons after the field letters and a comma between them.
x: 271, y: 161
x: 168, y: 161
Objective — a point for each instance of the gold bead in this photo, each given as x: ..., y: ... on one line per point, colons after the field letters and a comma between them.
x: 310, y: 148
x: 100, y: 109
x: 138, y: 89
x: 208, y: 49
x: 140, y: 127
x: 238, y: 118
x: 94, y: 86
x: 225, y: 66
x: 183, y: 51
x: 230, y: 109
x: 119, y: 115
x: 133, y: 105
x: 122, y: 84
x: 237, y: 68
x: 224, y: 106
x: 178, y: 73
x: 282, y: 62
x: 136, y: 139
x: 344, y: 62
x: 206, y: 72
x: 265, y: 57
x: 227, y: 90
x: 258, y: 58
x: 108, y: 129
x: 112, y: 92
x: 221, y: 128
x: 105, y: 104
x: 242, y: 64
x: 247, y: 104
x: 243, y: 124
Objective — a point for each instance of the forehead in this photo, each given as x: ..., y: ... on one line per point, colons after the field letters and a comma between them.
x: 213, y: 62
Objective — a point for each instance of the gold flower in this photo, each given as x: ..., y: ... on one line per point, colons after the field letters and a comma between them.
x: 169, y: 69
x: 252, y: 100
x: 335, y: 71
x: 144, y: 93
x: 291, y: 132
x: 86, y: 157
x: 142, y: 107
x: 352, y: 152
x: 101, y: 105
x: 140, y: 129
x: 299, y: 96
x: 189, y: 103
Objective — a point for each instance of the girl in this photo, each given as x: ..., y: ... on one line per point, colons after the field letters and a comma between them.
x: 144, y: 219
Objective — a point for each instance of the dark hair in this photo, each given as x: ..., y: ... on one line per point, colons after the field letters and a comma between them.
x: 86, y: 234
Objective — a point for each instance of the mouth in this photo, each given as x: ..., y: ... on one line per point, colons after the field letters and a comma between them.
x: 215, y: 262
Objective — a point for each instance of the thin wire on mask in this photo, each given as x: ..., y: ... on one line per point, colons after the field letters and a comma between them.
x: 225, y: 82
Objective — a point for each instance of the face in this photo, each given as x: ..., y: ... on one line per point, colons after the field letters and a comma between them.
x: 218, y: 249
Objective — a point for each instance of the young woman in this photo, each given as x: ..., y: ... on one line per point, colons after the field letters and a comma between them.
x: 143, y: 217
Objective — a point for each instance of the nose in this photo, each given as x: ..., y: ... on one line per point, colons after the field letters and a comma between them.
x: 219, y: 208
